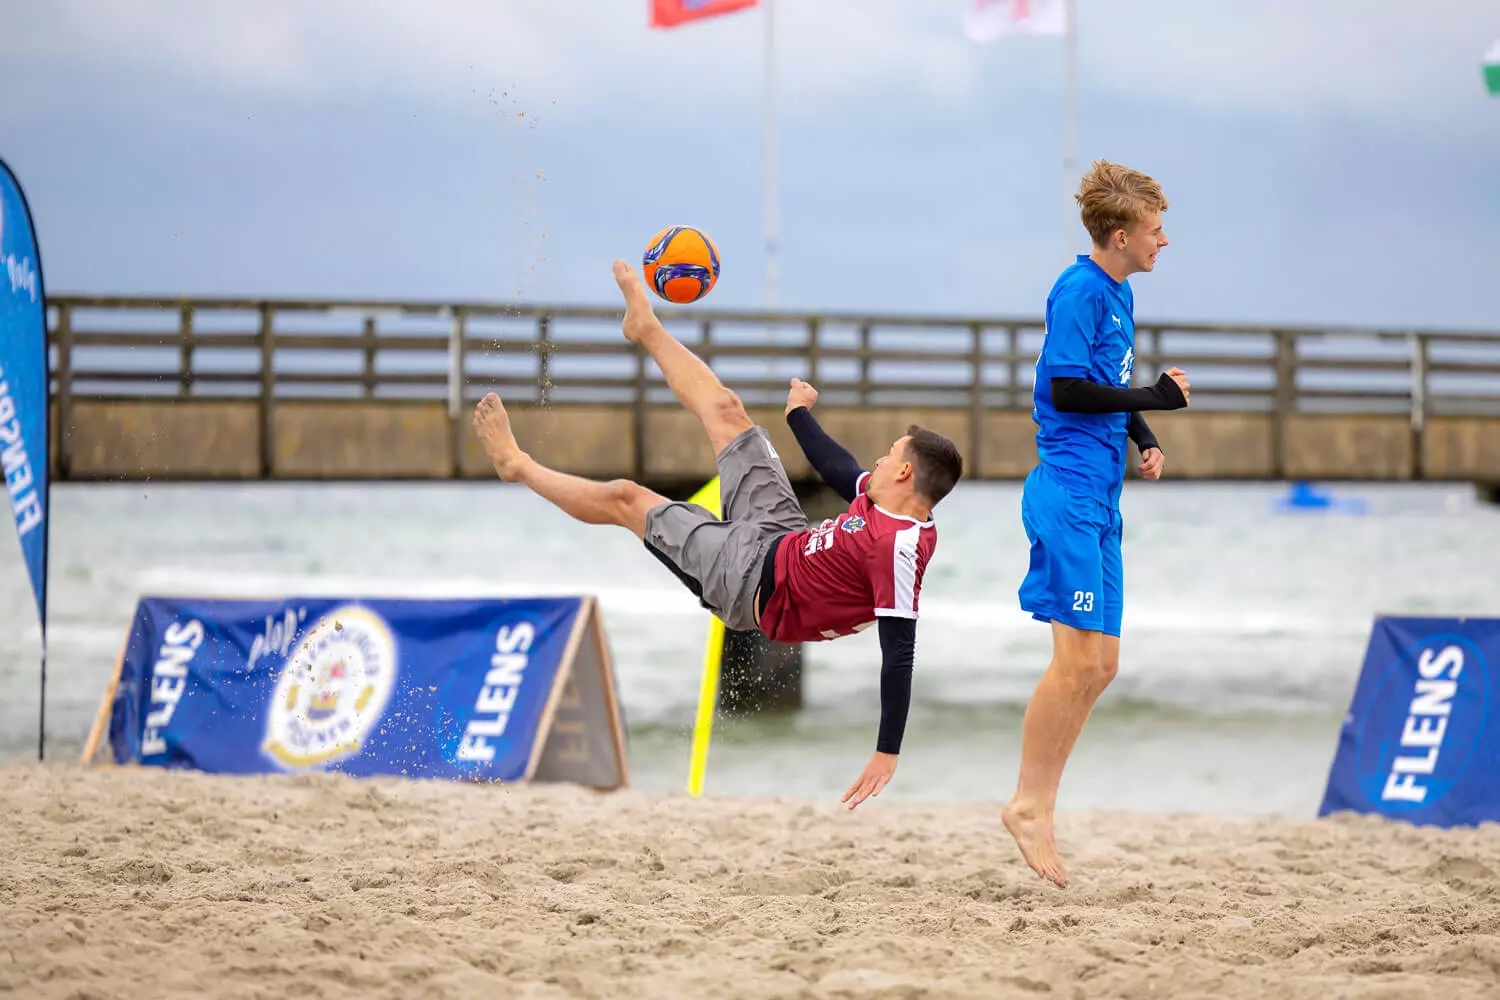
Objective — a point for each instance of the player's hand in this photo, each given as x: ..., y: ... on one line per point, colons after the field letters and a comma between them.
x: 801, y: 394
x: 1151, y: 462
x: 877, y: 775
x: 1180, y: 377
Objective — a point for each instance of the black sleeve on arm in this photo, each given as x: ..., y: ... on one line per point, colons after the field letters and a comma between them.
x: 1140, y: 433
x: 898, y: 651
x: 833, y: 464
x: 1079, y: 395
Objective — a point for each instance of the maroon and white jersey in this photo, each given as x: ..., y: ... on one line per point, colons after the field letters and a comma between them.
x: 835, y: 579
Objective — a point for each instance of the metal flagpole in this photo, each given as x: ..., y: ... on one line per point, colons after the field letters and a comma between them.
x: 772, y: 270
x: 1070, y: 126
x: 41, y: 726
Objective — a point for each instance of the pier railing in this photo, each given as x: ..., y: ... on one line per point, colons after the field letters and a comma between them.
x: 274, y: 351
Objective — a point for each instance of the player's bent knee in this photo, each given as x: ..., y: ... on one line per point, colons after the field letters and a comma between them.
x: 728, y: 407
x: 623, y: 495
x: 1108, y: 670
x: 632, y: 502
x: 1085, y: 663
x: 1091, y: 671
x: 726, y: 419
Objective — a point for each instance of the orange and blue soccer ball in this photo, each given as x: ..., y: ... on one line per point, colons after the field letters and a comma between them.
x: 681, y: 264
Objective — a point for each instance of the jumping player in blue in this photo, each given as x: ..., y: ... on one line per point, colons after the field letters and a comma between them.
x: 1086, y: 414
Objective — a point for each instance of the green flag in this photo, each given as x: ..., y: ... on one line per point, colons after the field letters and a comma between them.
x: 1492, y: 69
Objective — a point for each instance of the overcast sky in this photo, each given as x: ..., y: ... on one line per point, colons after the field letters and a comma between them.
x: 1329, y: 161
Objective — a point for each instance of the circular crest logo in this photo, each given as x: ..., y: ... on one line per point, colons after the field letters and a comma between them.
x: 1423, y: 722
x: 332, y: 690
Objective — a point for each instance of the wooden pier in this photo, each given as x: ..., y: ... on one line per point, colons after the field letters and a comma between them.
x: 227, y: 389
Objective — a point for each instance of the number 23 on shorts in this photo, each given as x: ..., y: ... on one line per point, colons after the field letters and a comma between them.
x: 1083, y: 600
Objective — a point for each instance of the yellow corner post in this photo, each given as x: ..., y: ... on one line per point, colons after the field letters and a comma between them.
x: 708, y: 689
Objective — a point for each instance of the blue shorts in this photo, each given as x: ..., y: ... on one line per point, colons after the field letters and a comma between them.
x: 1077, y: 576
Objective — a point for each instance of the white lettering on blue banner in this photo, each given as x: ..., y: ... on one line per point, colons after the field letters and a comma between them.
x: 1425, y: 725
x: 278, y: 636
x: 25, y: 502
x: 22, y: 275
x: 498, y: 695
x: 168, y: 681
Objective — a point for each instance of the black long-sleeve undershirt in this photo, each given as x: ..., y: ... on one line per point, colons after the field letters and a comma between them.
x: 1140, y: 433
x: 898, y: 636
x: 1079, y: 395
x: 898, y: 653
x: 833, y: 464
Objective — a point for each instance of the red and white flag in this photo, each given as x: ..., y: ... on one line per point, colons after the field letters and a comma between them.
x: 671, y: 13
x: 991, y: 20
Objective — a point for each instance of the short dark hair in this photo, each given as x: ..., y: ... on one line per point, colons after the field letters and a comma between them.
x: 938, y: 464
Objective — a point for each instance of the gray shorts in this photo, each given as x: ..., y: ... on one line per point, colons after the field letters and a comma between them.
x: 720, y: 561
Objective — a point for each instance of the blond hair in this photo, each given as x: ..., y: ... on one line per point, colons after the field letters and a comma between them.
x: 1113, y: 197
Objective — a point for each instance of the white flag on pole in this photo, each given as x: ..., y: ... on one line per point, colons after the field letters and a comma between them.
x: 991, y: 20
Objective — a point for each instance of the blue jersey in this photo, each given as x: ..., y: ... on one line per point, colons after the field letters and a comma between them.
x: 1090, y: 334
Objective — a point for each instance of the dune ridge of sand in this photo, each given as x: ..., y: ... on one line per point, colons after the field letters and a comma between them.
x: 138, y: 882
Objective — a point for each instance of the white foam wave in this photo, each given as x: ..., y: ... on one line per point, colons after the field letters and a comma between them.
x: 174, y: 581
x: 675, y: 602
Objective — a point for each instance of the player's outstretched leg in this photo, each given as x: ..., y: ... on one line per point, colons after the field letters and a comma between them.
x: 693, y: 383
x: 619, y: 502
x: 1083, y: 663
x: 492, y: 423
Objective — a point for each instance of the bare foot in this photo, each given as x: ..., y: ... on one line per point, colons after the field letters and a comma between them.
x: 1033, y: 832
x: 493, y: 425
x: 639, y: 315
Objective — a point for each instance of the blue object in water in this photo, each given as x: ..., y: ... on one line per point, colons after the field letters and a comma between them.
x: 1302, y: 496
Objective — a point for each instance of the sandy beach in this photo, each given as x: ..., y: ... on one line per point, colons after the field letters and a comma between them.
x: 146, y: 883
